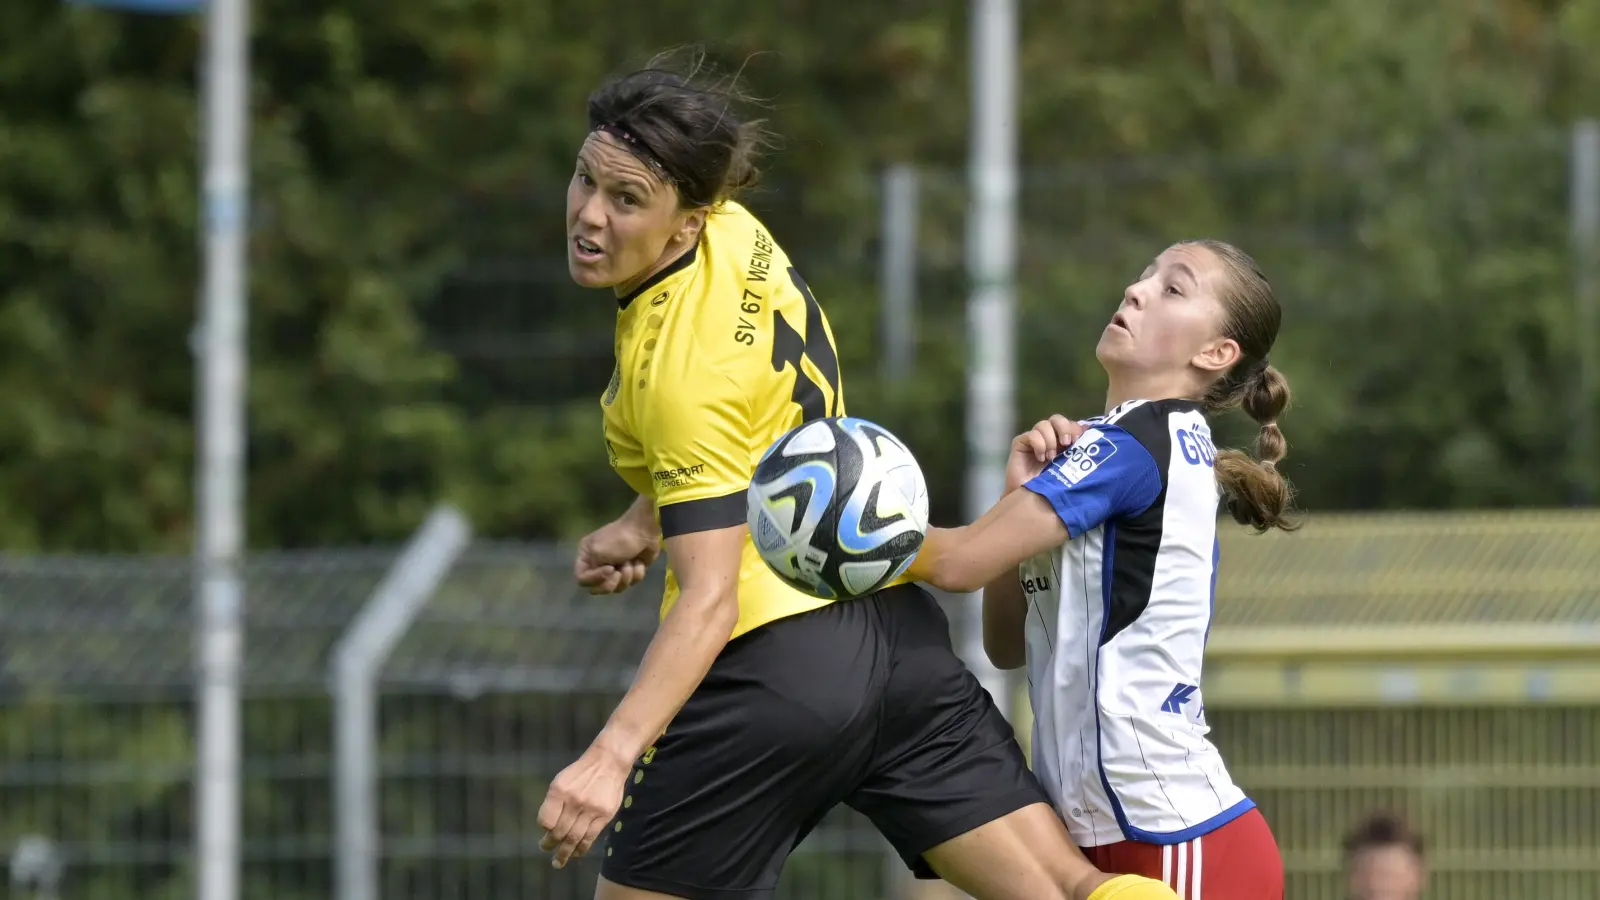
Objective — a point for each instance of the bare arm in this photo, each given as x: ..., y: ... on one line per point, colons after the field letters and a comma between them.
x: 641, y: 514
x: 962, y: 560
x: 687, y: 642
x: 1005, y: 605
x: 1005, y: 617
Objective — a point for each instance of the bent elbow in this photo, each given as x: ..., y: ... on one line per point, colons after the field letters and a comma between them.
x: 955, y: 576
x: 958, y: 585
x: 715, y: 611
x: 725, y: 612
x: 1005, y: 656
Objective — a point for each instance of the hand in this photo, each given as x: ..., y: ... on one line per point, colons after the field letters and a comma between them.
x: 581, y: 802
x: 615, y: 557
x: 1032, y: 450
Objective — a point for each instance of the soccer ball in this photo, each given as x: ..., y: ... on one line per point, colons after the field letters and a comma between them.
x: 838, y: 507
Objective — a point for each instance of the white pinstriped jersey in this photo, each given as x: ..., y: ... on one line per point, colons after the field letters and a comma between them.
x: 1116, y: 631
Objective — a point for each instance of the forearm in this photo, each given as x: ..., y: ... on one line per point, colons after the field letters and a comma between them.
x: 682, y: 651
x: 1005, y: 615
x: 963, y: 560
x: 940, y: 561
x: 957, y: 560
x: 642, y: 515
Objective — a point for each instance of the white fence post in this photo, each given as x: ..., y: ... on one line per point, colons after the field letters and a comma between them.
x: 898, y: 271
x: 220, y: 376
x: 357, y: 661
x: 992, y: 309
x: 1585, y: 188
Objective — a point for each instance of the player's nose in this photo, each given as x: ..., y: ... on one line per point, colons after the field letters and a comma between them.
x: 592, y: 212
x: 1132, y: 297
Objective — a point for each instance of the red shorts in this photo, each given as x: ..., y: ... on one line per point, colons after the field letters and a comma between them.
x: 1238, y: 861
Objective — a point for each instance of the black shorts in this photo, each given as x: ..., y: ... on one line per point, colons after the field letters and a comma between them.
x: 862, y: 702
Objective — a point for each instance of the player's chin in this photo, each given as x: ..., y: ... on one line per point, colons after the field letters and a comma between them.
x: 589, y: 275
x: 1115, y: 344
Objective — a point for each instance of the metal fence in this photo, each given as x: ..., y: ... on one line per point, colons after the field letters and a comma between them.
x: 1444, y: 666
x: 502, y: 680
x: 1340, y: 683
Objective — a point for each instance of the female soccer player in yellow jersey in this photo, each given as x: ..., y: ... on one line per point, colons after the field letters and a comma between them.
x: 756, y: 708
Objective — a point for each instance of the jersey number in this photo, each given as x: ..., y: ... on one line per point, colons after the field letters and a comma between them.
x: 789, y: 347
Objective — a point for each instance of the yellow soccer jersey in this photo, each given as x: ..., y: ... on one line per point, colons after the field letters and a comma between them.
x: 718, y: 356
x: 1133, y: 887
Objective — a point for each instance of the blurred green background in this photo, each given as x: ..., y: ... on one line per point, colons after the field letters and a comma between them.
x: 1400, y: 171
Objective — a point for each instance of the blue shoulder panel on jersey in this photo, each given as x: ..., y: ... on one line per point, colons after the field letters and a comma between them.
x: 1105, y: 475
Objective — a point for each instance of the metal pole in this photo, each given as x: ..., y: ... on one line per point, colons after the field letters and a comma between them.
x: 899, y: 272
x: 220, y: 519
x: 991, y: 239
x: 357, y: 660
x: 1585, y: 188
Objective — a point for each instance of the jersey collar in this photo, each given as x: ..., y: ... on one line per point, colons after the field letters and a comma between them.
x: 674, y: 267
x: 1129, y: 405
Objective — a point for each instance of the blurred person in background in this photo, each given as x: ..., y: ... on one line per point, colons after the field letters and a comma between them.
x: 757, y: 709
x: 1384, y: 860
x: 1098, y: 569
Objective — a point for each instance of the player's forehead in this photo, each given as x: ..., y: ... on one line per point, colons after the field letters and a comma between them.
x: 1387, y: 857
x: 1191, y: 257
x: 1186, y: 260
x: 605, y: 159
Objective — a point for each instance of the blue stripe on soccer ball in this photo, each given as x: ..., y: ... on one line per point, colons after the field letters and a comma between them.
x: 805, y: 490
x: 847, y: 534
x: 864, y: 507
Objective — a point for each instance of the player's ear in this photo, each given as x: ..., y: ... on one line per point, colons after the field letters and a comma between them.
x: 694, y: 222
x: 1217, y: 356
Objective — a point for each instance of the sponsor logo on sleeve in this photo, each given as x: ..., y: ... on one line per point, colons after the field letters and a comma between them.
x: 1089, y: 453
x: 683, y: 475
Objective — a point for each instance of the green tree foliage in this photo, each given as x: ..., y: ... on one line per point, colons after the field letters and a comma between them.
x: 1400, y: 172
x: 1398, y: 169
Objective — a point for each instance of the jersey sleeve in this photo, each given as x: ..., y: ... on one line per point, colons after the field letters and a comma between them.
x: 696, y: 444
x: 1106, y: 473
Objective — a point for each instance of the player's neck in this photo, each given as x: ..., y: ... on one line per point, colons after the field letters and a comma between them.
x: 674, y: 251
x: 1127, y: 386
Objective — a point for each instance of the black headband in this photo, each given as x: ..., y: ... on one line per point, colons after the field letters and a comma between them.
x: 639, y: 148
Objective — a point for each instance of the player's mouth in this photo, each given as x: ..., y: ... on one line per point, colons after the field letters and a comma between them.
x: 586, y: 251
x: 1117, y: 321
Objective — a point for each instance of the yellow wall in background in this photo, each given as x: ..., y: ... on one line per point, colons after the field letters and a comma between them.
x: 1443, y: 666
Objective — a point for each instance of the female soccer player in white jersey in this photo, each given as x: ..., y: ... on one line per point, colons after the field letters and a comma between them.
x: 1100, y: 575
x: 757, y: 708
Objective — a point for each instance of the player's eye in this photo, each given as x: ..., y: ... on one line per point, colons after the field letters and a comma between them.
x: 1174, y: 290
x: 628, y: 200
x: 585, y: 180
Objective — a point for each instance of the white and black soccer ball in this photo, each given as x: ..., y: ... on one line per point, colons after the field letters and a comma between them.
x: 838, y: 507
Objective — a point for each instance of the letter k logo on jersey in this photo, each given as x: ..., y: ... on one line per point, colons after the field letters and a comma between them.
x: 1179, y: 696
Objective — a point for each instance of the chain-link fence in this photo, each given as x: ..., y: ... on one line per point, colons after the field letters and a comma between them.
x: 1443, y: 666
x: 1335, y: 688
x: 96, y: 779
x: 504, y: 678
